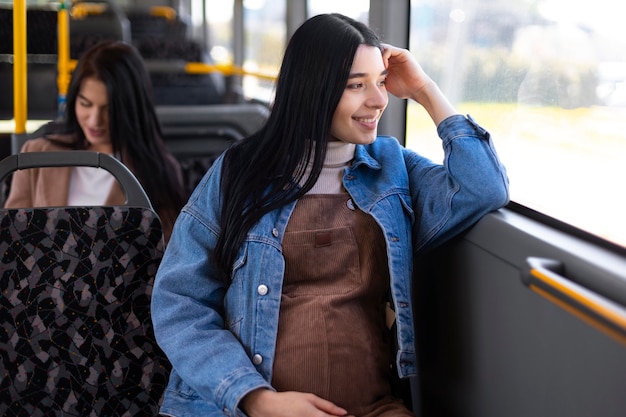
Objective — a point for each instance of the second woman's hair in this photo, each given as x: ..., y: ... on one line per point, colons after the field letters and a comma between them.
x: 264, y: 171
x: 134, y: 128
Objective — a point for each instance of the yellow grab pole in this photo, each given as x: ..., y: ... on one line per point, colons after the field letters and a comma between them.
x: 20, y: 89
x: 63, y: 64
x: 202, y: 68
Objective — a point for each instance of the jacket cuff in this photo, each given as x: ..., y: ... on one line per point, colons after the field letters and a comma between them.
x: 459, y: 125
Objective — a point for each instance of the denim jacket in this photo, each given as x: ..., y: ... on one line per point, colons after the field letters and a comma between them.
x: 220, y: 339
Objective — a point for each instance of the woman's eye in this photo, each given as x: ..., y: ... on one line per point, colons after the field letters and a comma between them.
x: 355, y: 86
x: 84, y: 103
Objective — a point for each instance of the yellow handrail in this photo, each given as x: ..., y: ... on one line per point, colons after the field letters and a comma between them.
x: 65, y: 65
x: 228, y: 69
x: 163, y: 11
x: 82, y: 10
x: 20, y: 86
x: 594, y: 309
x: 202, y: 68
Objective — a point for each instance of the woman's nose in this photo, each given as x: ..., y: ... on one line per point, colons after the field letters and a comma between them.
x: 378, y: 98
x: 96, y: 117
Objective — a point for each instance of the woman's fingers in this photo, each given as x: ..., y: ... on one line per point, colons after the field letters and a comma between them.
x: 267, y: 403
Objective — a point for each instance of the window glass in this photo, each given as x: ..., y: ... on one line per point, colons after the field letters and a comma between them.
x: 265, y: 32
x: 548, y: 79
x: 264, y: 40
x: 219, y: 24
x: 356, y: 9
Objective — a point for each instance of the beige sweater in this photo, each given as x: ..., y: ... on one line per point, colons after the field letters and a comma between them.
x: 49, y: 187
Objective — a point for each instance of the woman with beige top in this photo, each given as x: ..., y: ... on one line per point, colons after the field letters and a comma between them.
x: 109, y: 110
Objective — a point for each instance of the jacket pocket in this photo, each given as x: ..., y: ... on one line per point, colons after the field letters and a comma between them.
x: 315, y: 260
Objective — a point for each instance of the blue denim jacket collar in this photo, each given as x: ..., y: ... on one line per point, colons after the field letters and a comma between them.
x: 361, y: 156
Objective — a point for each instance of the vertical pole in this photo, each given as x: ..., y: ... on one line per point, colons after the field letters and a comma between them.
x: 235, y: 82
x: 205, y: 28
x: 20, y: 88
x: 63, y: 67
x: 296, y: 15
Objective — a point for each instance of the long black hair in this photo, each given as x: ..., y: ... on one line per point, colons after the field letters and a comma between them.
x: 134, y: 127
x: 264, y: 171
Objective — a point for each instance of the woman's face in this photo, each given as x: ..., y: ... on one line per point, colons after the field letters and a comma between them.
x: 92, y: 113
x: 364, y: 99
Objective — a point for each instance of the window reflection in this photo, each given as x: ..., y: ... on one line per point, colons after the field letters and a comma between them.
x: 265, y: 33
x: 356, y: 9
x: 548, y: 79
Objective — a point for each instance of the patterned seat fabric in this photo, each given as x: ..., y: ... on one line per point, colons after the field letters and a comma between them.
x: 76, y: 335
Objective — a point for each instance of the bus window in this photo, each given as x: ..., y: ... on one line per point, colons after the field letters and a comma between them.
x: 265, y: 34
x: 219, y: 18
x: 548, y: 80
x: 358, y: 9
x: 264, y: 39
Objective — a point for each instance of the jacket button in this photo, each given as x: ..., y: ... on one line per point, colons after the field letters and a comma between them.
x: 275, y: 232
x: 350, y: 204
x: 257, y: 359
x: 262, y: 289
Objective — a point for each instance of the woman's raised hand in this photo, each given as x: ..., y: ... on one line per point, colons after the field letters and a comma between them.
x: 407, y: 80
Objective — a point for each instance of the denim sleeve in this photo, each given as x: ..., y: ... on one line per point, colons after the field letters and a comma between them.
x: 451, y: 197
x: 188, y: 312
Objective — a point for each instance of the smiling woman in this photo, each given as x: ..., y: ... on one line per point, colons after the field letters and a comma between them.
x: 356, y: 118
x: 518, y: 312
x: 308, y: 228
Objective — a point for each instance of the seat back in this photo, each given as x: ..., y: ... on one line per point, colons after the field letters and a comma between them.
x: 92, y: 22
x: 76, y: 335
x: 41, y: 61
x: 197, y: 135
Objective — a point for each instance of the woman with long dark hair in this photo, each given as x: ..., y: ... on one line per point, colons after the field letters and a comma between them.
x: 109, y: 109
x: 292, y: 260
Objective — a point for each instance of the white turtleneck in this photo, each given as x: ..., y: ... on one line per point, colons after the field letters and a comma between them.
x: 339, y: 155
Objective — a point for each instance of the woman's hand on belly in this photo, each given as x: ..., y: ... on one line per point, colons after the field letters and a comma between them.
x: 267, y: 403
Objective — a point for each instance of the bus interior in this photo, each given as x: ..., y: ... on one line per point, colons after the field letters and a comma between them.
x: 522, y: 315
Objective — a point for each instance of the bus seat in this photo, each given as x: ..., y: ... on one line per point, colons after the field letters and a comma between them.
x: 42, y: 88
x: 145, y: 24
x: 90, y: 26
x: 6, y: 29
x: 245, y: 118
x: 197, y: 135
x: 42, y: 51
x: 174, y: 86
x: 41, y: 29
x: 76, y: 335
x: 17, y: 142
